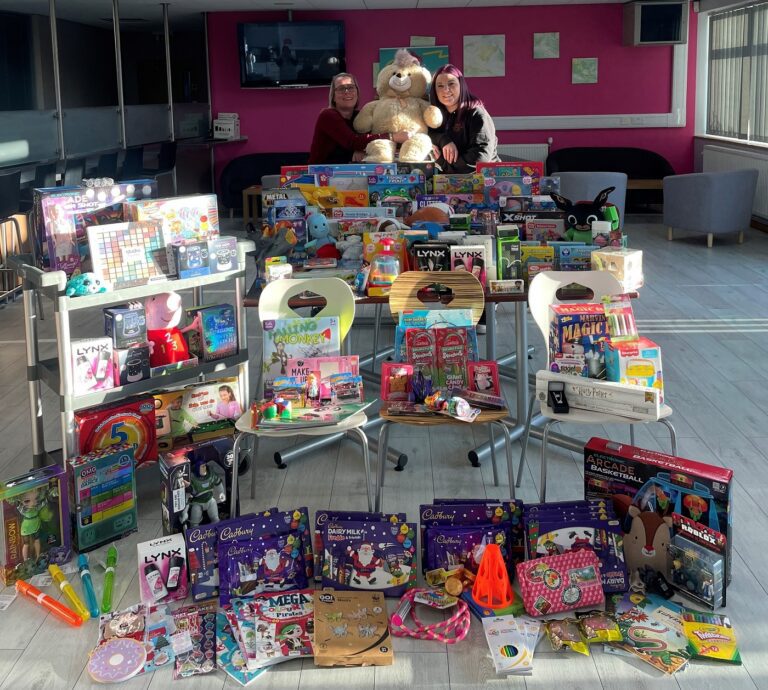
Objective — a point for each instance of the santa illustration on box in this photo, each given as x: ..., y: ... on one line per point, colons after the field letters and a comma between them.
x: 365, y: 562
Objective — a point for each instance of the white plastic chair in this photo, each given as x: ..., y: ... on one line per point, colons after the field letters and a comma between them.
x: 541, y: 294
x: 274, y: 303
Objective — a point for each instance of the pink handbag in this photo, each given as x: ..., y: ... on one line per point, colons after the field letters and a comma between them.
x: 560, y: 583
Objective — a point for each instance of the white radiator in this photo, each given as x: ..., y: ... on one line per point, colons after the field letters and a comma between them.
x: 525, y: 152
x: 721, y: 158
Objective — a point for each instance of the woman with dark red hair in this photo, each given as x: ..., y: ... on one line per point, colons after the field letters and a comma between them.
x: 467, y: 135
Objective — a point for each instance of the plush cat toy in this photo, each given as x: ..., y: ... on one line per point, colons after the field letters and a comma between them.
x: 580, y: 216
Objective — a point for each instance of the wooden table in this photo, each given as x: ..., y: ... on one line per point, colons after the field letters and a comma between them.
x: 251, y: 194
x: 645, y: 184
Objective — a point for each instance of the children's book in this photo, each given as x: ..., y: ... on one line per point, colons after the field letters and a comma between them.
x: 229, y: 657
x: 652, y: 629
x: 298, y: 339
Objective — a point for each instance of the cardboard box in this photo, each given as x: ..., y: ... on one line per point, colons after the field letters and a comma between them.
x: 126, y: 324
x: 570, y: 324
x: 606, y: 397
x: 637, y: 363
x: 91, y: 365
x: 222, y: 254
x: 665, y: 484
x: 131, y: 365
x: 191, y: 259
x: 625, y: 264
x: 366, y: 643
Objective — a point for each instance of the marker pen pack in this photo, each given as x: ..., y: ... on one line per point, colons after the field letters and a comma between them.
x: 163, y: 572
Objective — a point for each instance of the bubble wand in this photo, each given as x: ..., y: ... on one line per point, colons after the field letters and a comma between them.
x: 109, y: 579
x: 55, y: 607
x: 60, y: 579
x: 87, y: 580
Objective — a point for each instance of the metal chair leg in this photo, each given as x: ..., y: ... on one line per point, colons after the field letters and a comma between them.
x: 235, y: 477
x: 382, y: 459
x: 510, y: 462
x: 367, y: 465
x: 525, y: 442
x: 254, y: 454
x: 672, y: 434
x: 493, y: 455
x: 544, y: 440
x: 631, y: 434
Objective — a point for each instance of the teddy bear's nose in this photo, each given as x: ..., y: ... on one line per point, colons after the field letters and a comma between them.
x: 398, y: 75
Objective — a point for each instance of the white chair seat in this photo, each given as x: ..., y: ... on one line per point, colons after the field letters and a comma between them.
x: 588, y: 417
x: 354, y: 422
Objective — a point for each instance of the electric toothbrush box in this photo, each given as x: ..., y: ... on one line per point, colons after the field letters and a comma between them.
x: 92, y: 365
x: 131, y: 364
x: 163, y: 573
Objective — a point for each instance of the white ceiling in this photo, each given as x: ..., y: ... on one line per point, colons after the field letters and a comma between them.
x: 88, y: 10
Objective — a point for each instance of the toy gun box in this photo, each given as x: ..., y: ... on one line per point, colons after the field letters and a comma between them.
x: 663, y: 483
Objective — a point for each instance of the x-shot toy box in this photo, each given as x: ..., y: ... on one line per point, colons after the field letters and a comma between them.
x: 664, y: 484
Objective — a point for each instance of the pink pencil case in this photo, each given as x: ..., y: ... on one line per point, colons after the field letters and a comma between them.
x: 560, y: 583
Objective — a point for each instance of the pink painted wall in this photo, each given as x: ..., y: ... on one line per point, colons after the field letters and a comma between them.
x: 630, y: 80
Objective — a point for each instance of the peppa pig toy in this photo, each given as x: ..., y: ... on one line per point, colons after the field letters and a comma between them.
x: 166, y: 341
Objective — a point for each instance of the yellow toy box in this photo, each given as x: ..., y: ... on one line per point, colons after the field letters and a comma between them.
x: 635, y: 362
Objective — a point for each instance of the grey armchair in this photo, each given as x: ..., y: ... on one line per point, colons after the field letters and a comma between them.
x: 585, y: 186
x: 710, y: 203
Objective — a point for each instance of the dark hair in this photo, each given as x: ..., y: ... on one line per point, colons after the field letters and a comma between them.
x: 467, y: 101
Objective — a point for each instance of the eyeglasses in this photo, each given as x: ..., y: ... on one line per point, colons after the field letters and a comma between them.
x: 349, y: 88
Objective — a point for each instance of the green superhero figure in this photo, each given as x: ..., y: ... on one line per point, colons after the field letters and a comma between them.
x: 202, y: 485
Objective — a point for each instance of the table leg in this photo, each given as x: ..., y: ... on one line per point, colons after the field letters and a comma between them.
x: 254, y: 453
x: 493, y: 455
x: 376, y: 327
x: 367, y: 462
x: 510, y: 463
x: 235, y: 477
x: 490, y: 331
x: 246, y: 206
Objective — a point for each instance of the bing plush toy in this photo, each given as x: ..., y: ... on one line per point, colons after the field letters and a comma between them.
x: 579, y: 216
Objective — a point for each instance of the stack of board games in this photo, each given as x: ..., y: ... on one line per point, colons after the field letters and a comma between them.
x: 102, y: 496
x: 35, y: 529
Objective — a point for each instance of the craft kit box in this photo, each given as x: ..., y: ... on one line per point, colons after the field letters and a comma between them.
x: 35, y: 523
x: 216, y: 334
x: 663, y: 484
x: 636, y: 362
x: 102, y: 496
x: 182, y: 218
x: 351, y: 629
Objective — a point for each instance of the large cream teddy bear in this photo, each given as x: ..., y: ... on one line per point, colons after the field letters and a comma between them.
x: 402, y: 87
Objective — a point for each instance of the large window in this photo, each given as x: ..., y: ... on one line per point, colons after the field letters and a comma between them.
x: 737, y: 100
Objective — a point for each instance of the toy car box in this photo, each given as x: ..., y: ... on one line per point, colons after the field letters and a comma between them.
x: 637, y: 362
x: 665, y: 484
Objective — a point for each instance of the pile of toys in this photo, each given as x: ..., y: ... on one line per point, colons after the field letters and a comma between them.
x: 436, y: 368
x: 368, y: 222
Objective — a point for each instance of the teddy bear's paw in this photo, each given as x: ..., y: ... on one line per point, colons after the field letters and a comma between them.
x: 380, y: 151
x: 416, y: 149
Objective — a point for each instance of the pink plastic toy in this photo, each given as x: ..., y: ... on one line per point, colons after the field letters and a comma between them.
x: 166, y: 341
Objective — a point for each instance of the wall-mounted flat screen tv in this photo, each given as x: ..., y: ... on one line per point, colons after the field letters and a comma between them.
x: 290, y: 54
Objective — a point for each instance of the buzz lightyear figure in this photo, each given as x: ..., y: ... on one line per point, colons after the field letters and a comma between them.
x: 206, y: 492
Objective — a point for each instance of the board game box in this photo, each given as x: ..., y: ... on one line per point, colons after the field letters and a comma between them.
x: 102, y: 496
x: 35, y: 523
x: 130, y: 421
x: 181, y: 218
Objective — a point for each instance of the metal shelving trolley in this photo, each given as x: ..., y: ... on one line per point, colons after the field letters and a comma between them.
x: 57, y: 372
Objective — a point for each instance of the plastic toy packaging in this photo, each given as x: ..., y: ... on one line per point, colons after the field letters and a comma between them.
x: 620, y: 318
x: 599, y: 626
x: 566, y: 634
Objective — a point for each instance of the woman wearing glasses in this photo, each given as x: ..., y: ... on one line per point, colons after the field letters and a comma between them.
x: 334, y: 140
x: 467, y: 135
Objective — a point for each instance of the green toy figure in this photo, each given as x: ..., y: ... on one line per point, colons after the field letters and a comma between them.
x: 579, y: 216
x: 35, y: 510
x: 205, y: 488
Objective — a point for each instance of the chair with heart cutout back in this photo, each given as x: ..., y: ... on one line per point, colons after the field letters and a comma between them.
x: 411, y: 290
x: 543, y: 292
x: 274, y: 303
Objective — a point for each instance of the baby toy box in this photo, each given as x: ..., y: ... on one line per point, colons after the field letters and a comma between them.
x: 635, y: 362
x: 625, y: 264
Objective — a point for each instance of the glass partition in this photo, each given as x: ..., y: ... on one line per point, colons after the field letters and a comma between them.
x: 189, y: 76
x: 88, y: 76
x: 28, y: 125
x: 145, y: 82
